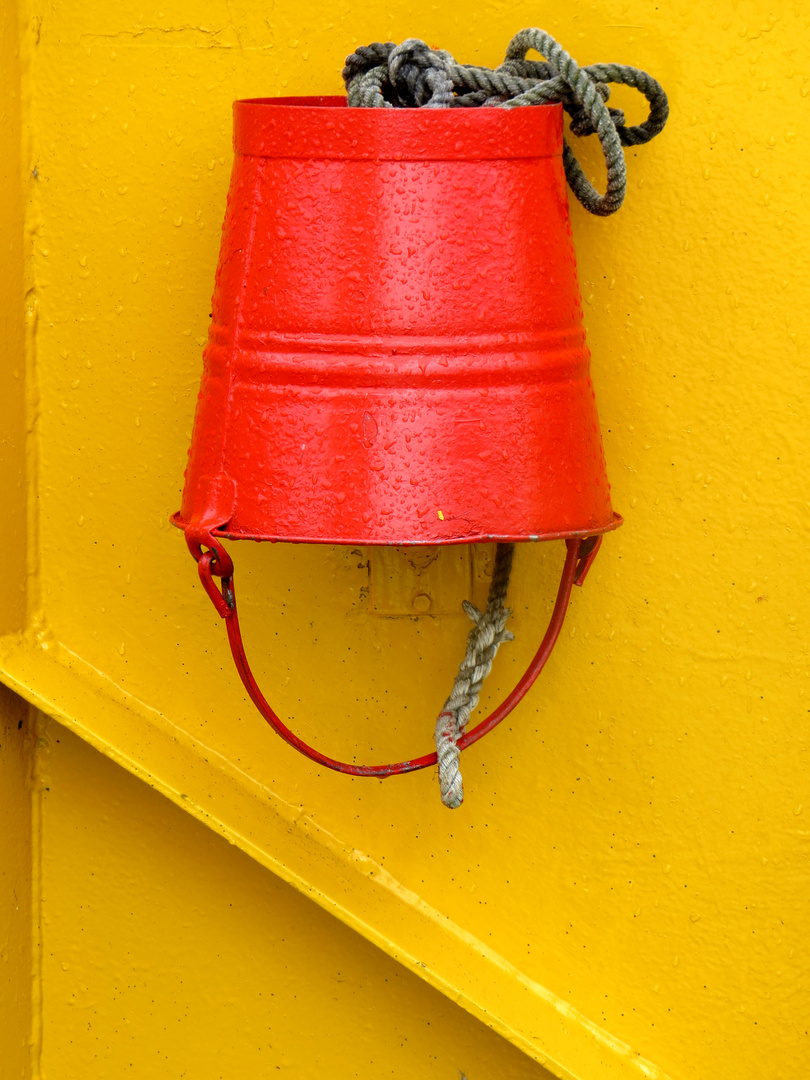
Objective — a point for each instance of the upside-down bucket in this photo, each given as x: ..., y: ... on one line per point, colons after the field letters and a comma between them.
x: 396, y: 353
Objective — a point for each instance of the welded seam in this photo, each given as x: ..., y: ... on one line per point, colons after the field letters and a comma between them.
x: 30, y: 31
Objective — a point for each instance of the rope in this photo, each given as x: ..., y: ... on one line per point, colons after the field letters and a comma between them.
x: 488, y: 633
x: 412, y: 75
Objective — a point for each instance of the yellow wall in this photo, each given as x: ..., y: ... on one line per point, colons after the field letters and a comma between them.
x: 16, y: 863
x: 624, y: 892
x: 16, y: 308
x: 168, y: 952
x: 15, y: 809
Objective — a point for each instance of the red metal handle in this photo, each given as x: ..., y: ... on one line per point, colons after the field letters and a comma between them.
x: 580, y: 554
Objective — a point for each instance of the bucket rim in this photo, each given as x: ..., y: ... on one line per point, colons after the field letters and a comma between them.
x: 339, y: 101
x: 325, y: 128
x: 224, y: 533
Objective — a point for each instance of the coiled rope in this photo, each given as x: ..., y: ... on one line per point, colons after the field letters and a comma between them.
x: 412, y: 75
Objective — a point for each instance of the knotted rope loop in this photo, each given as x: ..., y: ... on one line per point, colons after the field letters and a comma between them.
x: 568, y: 82
x: 622, y: 75
x: 412, y: 75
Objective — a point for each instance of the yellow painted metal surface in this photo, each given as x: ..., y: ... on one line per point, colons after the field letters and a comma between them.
x: 624, y: 892
x: 167, y: 953
x: 16, y: 863
x: 13, y: 311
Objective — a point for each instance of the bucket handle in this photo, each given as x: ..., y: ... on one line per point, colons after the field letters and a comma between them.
x: 216, y: 563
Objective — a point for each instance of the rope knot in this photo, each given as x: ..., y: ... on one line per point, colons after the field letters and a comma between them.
x: 582, y: 123
x: 420, y: 75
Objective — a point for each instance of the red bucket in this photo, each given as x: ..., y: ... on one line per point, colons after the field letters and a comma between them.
x: 396, y: 353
